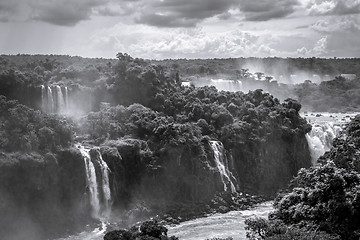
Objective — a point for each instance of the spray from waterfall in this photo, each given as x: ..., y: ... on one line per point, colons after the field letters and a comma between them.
x: 221, y: 165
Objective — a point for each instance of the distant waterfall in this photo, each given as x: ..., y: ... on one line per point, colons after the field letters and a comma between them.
x: 99, y: 189
x: 320, y: 139
x: 226, y: 85
x: 221, y: 164
x: 43, y: 96
x: 66, y: 98
x: 60, y: 100
x: 54, y: 99
x: 50, y: 100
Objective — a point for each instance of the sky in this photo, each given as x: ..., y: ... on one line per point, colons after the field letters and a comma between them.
x: 162, y: 29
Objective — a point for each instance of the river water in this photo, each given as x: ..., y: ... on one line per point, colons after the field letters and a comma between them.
x: 231, y: 224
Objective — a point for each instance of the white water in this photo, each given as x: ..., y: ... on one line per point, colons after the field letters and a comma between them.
x: 66, y: 98
x: 50, y: 100
x: 100, y: 204
x: 60, y: 100
x: 53, y: 100
x: 96, y: 234
x: 231, y: 224
x: 105, y: 185
x: 91, y: 181
x: 221, y: 165
x: 226, y: 85
x: 43, y: 103
x: 325, y: 128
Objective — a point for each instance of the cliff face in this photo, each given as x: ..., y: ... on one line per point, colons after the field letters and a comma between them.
x: 42, y: 195
x: 179, y: 174
x: 267, y: 167
x: 50, y: 194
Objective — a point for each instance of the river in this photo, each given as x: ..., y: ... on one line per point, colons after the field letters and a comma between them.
x: 231, y: 224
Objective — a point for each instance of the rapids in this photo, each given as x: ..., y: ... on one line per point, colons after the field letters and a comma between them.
x: 231, y: 224
x: 325, y: 127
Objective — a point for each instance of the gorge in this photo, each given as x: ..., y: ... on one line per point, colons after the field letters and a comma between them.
x: 134, y: 144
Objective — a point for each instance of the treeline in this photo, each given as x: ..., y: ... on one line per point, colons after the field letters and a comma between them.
x: 272, y: 66
x: 338, y: 95
x: 108, y: 79
x: 26, y: 129
x: 323, y: 202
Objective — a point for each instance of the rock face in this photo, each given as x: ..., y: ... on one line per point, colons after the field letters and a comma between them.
x: 51, y: 194
x: 42, y: 195
x: 178, y: 174
x: 267, y: 167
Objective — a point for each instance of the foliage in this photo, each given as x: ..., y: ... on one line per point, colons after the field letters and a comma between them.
x: 338, y: 95
x: 325, y: 197
x: 259, y: 228
x: 24, y: 129
x: 148, y: 230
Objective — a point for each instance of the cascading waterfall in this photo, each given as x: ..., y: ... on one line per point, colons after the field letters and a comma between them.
x: 100, y: 203
x: 60, y: 100
x: 54, y: 99
x: 227, y: 85
x: 43, y: 96
x: 105, y: 184
x: 321, y: 138
x: 219, y: 158
x: 50, y: 100
x: 66, y: 98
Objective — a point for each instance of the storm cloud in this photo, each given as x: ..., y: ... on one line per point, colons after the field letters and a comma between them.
x: 267, y: 9
x: 186, y: 13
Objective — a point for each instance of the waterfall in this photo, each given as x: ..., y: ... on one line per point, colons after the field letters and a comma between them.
x: 100, y: 203
x: 105, y: 183
x: 221, y: 165
x: 226, y: 85
x: 43, y: 96
x: 66, y: 99
x: 321, y: 138
x: 60, y: 100
x: 54, y: 102
x: 50, y: 100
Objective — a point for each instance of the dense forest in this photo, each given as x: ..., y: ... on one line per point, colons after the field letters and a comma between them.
x: 323, y: 202
x: 314, y: 82
x: 163, y: 143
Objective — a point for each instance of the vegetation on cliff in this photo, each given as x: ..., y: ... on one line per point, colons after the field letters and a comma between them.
x: 323, y: 200
x: 154, y: 135
x: 25, y: 129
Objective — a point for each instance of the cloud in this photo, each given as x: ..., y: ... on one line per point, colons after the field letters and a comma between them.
x: 337, y: 24
x: 185, y: 13
x: 8, y: 10
x: 57, y: 12
x: 267, y: 9
x: 340, y: 36
x: 319, y: 49
x: 151, y: 42
x: 63, y: 12
x: 333, y: 7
